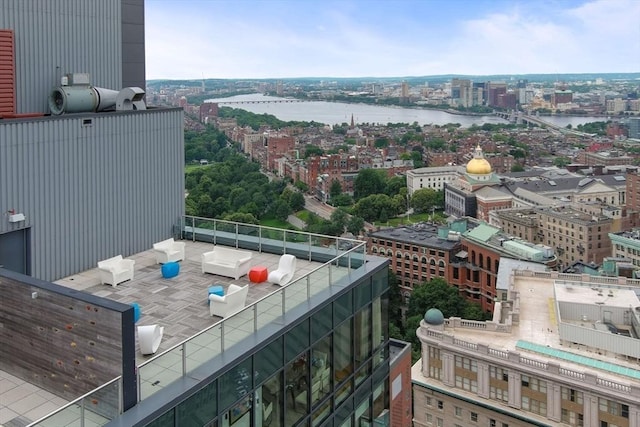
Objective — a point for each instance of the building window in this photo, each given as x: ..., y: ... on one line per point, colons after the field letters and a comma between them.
x: 458, y: 411
x: 535, y: 406
x: 571, y: 395
x: 473, y: 417
x: 534, y: 384
x: 440, y: 404
x: 572, y: 418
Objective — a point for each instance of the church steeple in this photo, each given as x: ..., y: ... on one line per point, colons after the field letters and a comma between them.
x: 352, y: 122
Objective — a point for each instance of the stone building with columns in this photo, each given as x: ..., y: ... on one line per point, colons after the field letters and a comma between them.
x: 561, y: 350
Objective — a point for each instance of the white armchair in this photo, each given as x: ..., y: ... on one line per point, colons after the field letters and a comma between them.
x: 233, y: 301
x: 116, y: 270
x: 149, y: 338
x: 284, y: 273
x: 168, y: 251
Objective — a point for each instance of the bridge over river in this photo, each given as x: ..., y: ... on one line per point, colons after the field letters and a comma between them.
x: 519, y: 117
x: 268, y: 101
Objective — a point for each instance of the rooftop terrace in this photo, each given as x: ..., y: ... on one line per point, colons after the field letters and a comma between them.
x: 191, y: 336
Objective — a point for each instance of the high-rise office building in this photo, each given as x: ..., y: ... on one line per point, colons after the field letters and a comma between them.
x: 88, y: 172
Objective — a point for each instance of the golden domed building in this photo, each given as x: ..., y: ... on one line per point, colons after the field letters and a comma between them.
x: 461, y: 197
x: 478, y: 165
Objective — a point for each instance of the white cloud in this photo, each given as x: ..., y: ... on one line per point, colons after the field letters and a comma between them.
x: 286, y: 41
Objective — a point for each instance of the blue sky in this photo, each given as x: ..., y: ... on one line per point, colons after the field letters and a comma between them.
x: 192, y: 39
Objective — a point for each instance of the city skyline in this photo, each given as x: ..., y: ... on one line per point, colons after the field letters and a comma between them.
x: 196, y: 39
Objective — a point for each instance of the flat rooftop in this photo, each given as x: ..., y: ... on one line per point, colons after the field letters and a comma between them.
x: 538, y: 325
x: 179, y: 304
x: 422, y: 234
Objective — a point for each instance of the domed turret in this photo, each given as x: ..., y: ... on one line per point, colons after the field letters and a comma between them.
x: 434, y: 317
x: 478, y: 165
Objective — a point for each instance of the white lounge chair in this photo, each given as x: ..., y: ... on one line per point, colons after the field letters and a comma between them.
x: 233, y: 301
x: 285, y: 271
x: 168, y: 251
x: 149, y: 338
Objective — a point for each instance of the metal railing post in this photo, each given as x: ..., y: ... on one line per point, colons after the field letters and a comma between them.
x: 82, y: 413
x: 121, y: 396
x: 222, y: 336
x: 255, y: 317
x: 139, y: 381
x: 184, y: 359
x: 284, y: 309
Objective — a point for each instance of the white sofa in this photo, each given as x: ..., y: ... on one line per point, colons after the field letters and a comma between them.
x: 168, y: 251
x: 227, y: 262
x: 233, y: 301
x: 116, y: 270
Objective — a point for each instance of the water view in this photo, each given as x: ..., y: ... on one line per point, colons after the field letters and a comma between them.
x: 332, y: 113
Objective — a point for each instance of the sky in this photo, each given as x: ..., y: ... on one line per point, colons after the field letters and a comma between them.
x: 260, y: 39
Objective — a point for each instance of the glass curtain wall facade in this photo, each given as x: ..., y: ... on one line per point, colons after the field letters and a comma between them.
x: 330, y: 368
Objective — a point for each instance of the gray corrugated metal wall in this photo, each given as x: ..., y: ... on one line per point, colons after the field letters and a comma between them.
x: 133, y: 44
x: 90, y: 192
x: 53, y: 38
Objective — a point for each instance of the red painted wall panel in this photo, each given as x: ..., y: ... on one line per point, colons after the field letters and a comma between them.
x: 7, y: 73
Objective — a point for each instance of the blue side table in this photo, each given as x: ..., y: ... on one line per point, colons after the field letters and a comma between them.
x: 170, y: 269
x: 216, y: 290
x: 136, y: 311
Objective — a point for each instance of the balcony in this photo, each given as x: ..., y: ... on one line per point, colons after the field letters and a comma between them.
x: 192, y: 337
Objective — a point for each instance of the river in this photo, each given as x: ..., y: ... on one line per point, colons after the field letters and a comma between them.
x: 332, y: 113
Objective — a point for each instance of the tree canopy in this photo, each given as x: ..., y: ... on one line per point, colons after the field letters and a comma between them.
x: 425, y: 199
x: 368, y: 182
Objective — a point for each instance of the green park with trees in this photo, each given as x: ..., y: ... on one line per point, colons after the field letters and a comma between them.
x: 232, y: 187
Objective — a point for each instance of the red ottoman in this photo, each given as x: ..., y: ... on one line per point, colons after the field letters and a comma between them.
x: 258, y: 274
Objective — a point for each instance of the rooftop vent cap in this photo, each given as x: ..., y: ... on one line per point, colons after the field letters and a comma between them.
x: 130, y: 98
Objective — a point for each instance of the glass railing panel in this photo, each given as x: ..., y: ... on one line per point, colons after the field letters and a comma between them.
x: 269, y: 309
x: 94, y: 409
x: 237, y: 327
x: 357, y: 255
x: 321, y: 241
x: 203, y: 347
x: 319, y: 279
x: 70, y: 415
x: 248, y: 230
x: 160, y: 372
x: 295, y: 293
x: 296, y: 237
x: 203, y: 228
x: 273, y: 236
x: 226, y: 227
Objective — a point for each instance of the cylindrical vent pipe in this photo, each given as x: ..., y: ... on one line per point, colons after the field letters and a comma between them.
x: 81, y: 99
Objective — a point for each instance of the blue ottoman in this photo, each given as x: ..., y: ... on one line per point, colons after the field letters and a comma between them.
x: 216, y: 290
x: 170, y: 269
x: 136, y: 312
